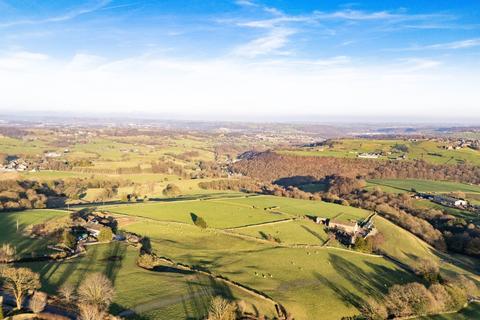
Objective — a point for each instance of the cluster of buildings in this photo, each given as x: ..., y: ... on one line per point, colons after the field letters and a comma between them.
x: 449, y: 201
x: 348, y: 231
x: 15, y: 165
x: 443, y: 199
x: 460, y: 144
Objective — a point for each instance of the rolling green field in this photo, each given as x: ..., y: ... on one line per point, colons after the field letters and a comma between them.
x: 154, y: 295
x: 23, y: 243
x: 300, y: 272
x: 430, y: 151
x: 289, y: 232
x: 294, y: 276
x: 217, y: 214
x: 406, y: 185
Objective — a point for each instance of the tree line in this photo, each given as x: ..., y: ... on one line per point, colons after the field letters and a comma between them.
x: 270, y: 166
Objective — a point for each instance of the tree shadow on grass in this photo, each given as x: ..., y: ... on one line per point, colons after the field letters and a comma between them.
x: 201, y: 290
x: 315, y: 234
x: 116, y: 309
x: 114, y: 260
x: 345, y: 295
x: 372, y: 284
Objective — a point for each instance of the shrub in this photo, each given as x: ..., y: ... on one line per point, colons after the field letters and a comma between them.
x: 441, y: 296
x: 374, y: 310
x: 171, y: 190
x: 408, y: 300
x: 105, y: 235
x: 147, y: 261
x: 38, y: 302
x: 468, y: 286
x: 458, y: 297
x: 68, y: 239
x: 428, y: 269
x: 7, y: 253
x: 363, y: 245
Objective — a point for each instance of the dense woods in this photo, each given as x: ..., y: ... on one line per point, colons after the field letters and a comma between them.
x: 270, y: 166
x: 26, y: 194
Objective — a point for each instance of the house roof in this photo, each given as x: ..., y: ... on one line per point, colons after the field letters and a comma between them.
x: 344, y: 223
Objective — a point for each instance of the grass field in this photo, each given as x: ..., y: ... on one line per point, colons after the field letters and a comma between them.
x: 153, y: 295
x: 23, y: 243
x: 290, y: 232
x: 468, y: 216
x: 430, y: 151
x: 217, y: 214
x: 406, y: 185
x: 296, y: 277
x: 305, y: 277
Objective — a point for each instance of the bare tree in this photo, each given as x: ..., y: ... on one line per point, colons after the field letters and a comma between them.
x: 7, y: 253
x: 96, y: 290
x: 374, y: 310
x: 18, y: 281
x: 67, y: 291
x: 221, y: 309
x: 90, y: 312
x: 38, y: 302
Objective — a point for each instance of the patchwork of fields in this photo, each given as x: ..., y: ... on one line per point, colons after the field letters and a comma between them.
x: 300, y: 272
x: 430, y: 151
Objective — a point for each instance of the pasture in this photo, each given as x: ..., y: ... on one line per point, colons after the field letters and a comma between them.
x: 406, y: 185
x: 299, y: 272
x: 305, y: 280
x: 142, y: 291
x: 24, y: 244
x: 430, y: 151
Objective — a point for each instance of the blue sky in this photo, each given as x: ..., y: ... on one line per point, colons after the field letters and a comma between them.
x: 324, y: 58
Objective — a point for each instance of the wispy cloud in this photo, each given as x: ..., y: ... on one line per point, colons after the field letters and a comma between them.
x: 58, y: 18
x: 463, y: 44
x: 246, y: 3
x: 453, y: 45
x: 281, y: 26
x: 268, y: 44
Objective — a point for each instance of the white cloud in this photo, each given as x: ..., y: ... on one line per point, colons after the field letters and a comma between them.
x: 454, y: 45
x: 463, y: 44
x: 21, y: 60
x: 268, y: 44
x: 334, y: 86
x: 246, y: 3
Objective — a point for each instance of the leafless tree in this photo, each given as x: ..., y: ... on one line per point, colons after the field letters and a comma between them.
x: 7, y: 253
x: 67, y: 291
x: 221, y: 309
x: 18, y: 281
x: 90, y: 312
x: 96, y: 290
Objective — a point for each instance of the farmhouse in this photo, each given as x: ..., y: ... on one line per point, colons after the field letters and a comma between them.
x: 94, y: 228
x: 349, y: 227
x: 52, y: 155
x: 450, y: 201
x: 367, y: 155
